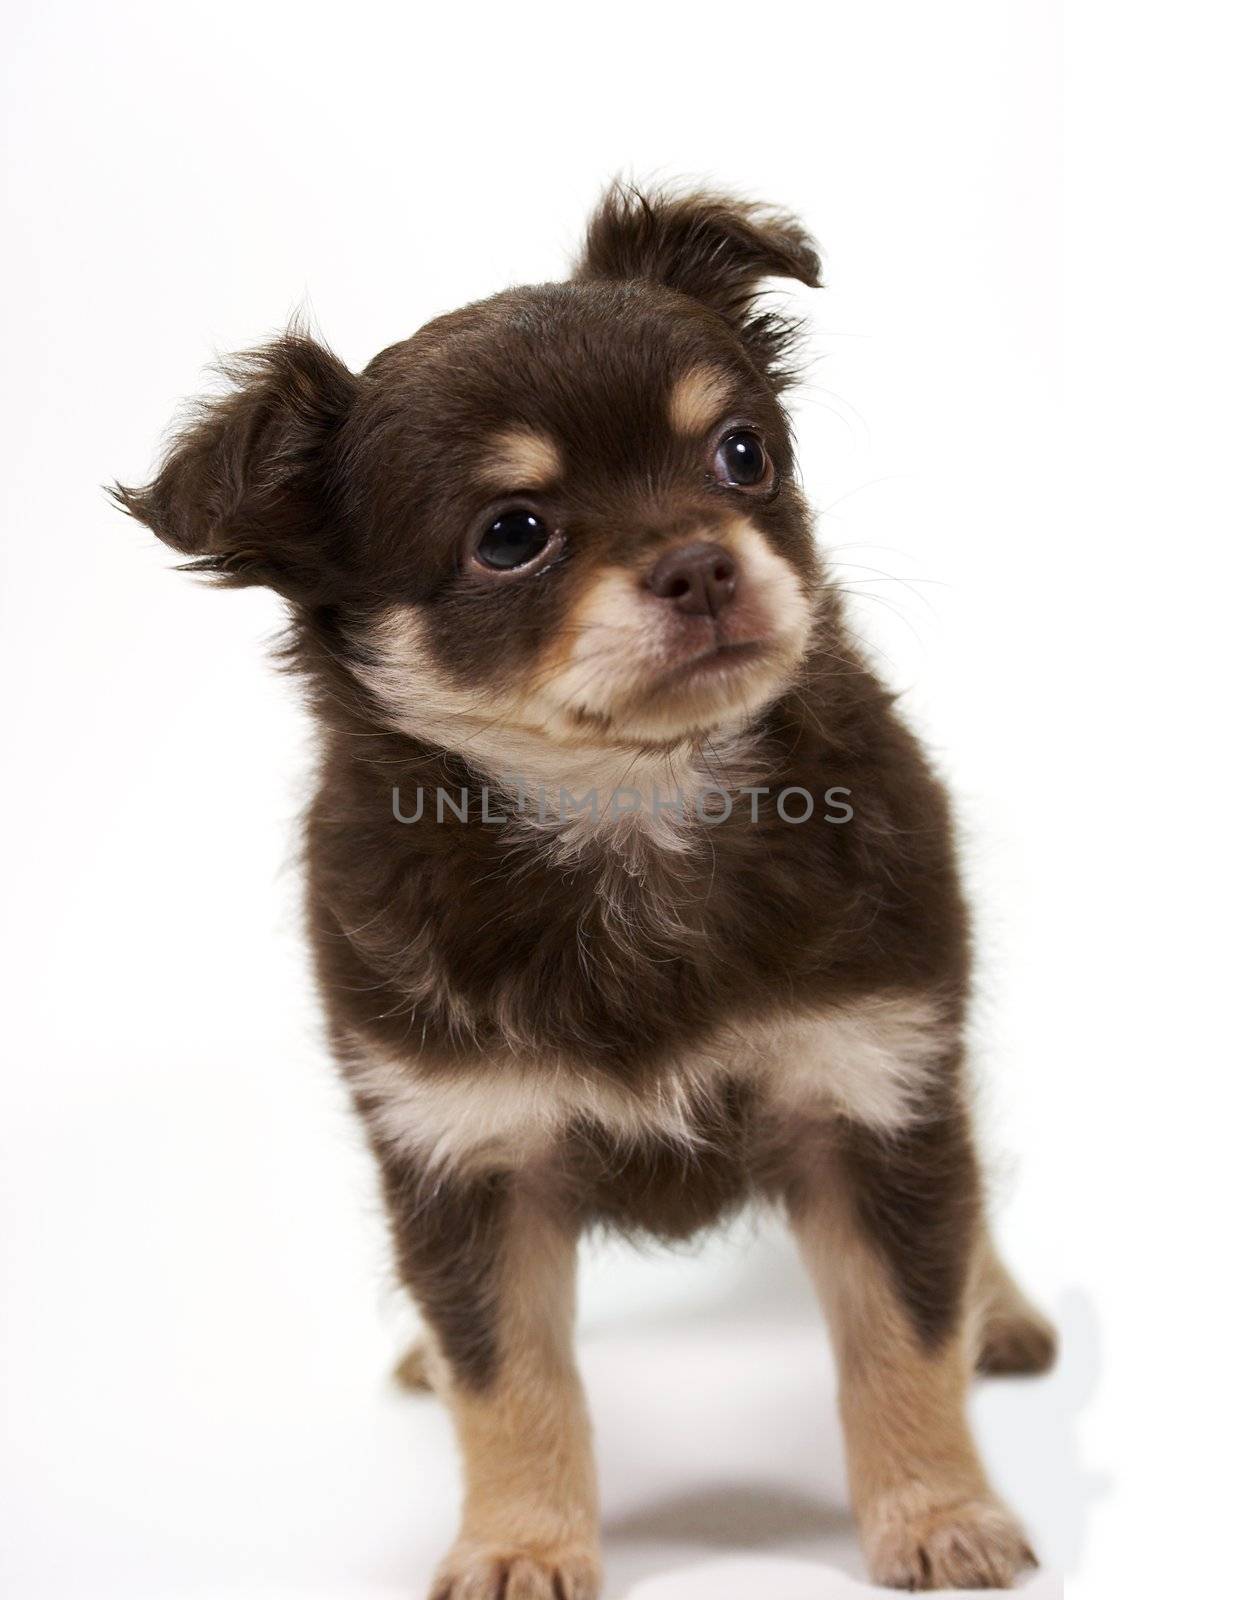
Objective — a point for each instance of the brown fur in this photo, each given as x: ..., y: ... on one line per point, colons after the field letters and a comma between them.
x: 645, y: 976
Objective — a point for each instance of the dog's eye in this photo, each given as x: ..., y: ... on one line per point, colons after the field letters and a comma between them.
x: 741, y: 460
x: 512, y: 540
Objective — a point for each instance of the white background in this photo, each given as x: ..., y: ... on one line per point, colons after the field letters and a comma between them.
x: 1015, y: 428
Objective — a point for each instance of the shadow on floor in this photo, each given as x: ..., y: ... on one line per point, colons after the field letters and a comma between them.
x: 730, y: 1516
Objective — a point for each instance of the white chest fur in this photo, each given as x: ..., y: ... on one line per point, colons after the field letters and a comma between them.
x: 869, y: 1061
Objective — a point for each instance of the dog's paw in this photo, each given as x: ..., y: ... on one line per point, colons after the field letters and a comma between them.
x: 1021, y: 1344
x: 974, y: 1545
x: 412, y: 1372
x: 571, y: 1572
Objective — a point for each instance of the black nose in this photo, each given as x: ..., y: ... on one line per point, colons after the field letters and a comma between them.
x: 697, y: 578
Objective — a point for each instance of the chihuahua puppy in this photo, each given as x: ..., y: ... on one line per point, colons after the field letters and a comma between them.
x: 632, y: 898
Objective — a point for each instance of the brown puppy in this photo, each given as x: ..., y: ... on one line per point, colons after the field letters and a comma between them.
x: 632, y: 898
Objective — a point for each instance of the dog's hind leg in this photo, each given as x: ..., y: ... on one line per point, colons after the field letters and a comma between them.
x: 414, y: 1370
x: 1014, y: 1337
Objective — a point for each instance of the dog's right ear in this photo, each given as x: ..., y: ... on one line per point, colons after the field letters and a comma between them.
x: 712, y: 248
x: 244, y: 488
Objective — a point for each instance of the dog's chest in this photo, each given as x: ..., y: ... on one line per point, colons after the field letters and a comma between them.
x: 622, y: 961
x: 869, y: 1061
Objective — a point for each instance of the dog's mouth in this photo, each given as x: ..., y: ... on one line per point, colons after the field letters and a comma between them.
x: 718, y: 659
x: 655, y: 667
x: 704, y: 685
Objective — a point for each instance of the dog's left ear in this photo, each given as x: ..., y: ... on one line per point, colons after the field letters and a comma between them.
x: 245, y: 488
x: 716, y: 250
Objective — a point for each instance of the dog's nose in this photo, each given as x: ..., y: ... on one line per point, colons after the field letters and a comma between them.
x: 700, y: 579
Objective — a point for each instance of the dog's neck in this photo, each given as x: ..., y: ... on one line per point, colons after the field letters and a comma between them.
x: 574, y: 785
x: 589, y: 793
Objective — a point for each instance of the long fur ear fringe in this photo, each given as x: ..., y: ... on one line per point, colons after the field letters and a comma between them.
x: 239, y: 489
x: 715, y: 249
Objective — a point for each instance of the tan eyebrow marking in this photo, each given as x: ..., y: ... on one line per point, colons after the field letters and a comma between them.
x: 698, y: 398
x: 519, y: 458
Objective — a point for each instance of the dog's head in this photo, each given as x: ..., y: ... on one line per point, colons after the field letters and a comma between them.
x: 567, y: 512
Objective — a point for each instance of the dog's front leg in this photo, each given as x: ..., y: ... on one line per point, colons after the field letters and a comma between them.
x: 492, y: 1266
x: 889, y: 1226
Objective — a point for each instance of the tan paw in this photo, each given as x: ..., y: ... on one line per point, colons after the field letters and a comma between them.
x: 571, y: 1572
x: 1024, y: 1344
x: 975, y: 1545
x: 413, y: 1370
